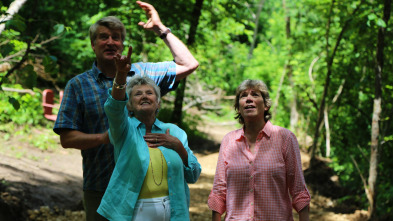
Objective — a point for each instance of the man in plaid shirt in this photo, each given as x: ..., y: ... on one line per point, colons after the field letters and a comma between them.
x: 81, y: 121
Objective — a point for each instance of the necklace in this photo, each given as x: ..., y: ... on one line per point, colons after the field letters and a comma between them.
x: 162, y: 170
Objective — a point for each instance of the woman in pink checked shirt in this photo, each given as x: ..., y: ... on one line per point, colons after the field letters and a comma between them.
x: 259, y: 174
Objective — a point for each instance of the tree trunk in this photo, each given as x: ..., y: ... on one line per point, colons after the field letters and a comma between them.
x: 293, y: 105
x: 327, y: 129
x: 329, y: 61
x: 275, y: 103
x: 177, y: 110
x: 321, y: 108
x: 13, y: 9
x: 254, y: 38
x: 377, y: 109
x: 294, y: 113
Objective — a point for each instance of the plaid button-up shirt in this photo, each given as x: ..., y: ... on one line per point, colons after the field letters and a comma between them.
x: 82, y: 109
x: 261, y: 186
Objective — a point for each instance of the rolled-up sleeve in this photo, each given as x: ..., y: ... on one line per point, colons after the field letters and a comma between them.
x: 193, y: 170
x: 217, y: 197
x: 296, y: 183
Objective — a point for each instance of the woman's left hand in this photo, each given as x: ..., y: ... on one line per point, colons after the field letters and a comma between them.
x: 165, y: 140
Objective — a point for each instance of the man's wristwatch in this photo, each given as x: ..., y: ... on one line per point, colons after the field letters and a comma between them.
x: 164, y: 34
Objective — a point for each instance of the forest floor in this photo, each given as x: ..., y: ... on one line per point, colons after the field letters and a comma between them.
x: 47, y: 185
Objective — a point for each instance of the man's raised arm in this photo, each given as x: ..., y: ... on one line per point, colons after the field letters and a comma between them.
x: 185, y: 61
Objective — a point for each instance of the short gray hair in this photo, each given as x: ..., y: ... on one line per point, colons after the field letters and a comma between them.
x: 141, y: 80
x: 110, y: 22
x: 257, y: 85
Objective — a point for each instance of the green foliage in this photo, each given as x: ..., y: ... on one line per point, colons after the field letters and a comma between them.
x: 44, y: 141
x: 26, y: 126
x: 225, y: 35
x: 21, y: 109
x: 20, y: 48
x: 28, y: 76
x: 17, y: 23
x: 225, y: 114
x: 14, y: 103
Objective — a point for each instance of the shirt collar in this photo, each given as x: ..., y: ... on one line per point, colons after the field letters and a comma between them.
x: 266, y: 131
x: 157, y: 123
x: 95, y: 71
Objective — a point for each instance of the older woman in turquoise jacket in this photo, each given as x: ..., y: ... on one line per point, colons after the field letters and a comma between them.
x: 153, y: 160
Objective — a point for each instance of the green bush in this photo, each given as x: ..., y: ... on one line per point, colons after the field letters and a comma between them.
x: 23, y: 112
x: 22, y: 108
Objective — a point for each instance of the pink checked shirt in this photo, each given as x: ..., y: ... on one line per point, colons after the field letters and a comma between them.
x: 260, y: 186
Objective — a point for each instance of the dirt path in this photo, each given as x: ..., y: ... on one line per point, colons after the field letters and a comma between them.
x: 50, y: 183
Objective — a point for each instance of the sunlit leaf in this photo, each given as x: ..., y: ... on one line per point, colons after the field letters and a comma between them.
x: 372, y: 16
x: 59, y: 28
x: 381, y: 23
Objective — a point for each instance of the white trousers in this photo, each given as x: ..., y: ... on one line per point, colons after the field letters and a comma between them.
x: 154, y: 209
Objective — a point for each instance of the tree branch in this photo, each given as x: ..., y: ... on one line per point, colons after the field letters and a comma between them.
x: 361, y: 175
x: 17, y: 66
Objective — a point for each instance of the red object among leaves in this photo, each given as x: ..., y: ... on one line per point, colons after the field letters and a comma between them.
x: 48, y: 104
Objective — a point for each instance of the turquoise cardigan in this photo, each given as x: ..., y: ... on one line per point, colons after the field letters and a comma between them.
x: 132, y: 161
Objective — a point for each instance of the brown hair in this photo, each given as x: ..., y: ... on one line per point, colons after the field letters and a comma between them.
x: 110, y: 22
x: 253, y: 84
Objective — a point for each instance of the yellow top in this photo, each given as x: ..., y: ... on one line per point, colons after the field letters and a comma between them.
x: 156, y: 182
